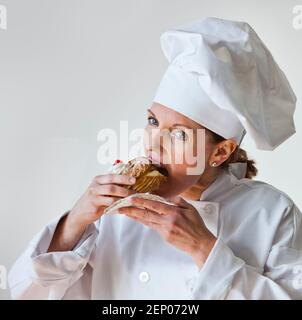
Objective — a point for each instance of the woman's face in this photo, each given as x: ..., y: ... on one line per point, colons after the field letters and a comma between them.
x: 173, y: 140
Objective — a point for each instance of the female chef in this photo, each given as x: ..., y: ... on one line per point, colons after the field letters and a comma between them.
x: 225, y: 236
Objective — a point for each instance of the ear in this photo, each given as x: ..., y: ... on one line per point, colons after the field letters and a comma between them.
x: 222, y: 151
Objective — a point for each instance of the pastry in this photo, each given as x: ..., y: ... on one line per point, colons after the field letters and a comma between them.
x: 148, y: 176
x: 125, y: 202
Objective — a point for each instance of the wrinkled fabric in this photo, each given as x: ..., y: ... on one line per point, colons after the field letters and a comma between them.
x: 257, y: 255
x: 222, y: 76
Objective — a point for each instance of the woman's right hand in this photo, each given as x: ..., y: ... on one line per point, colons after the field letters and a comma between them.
x: 102, y: 192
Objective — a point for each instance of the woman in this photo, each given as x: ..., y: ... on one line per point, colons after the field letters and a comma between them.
x: 226, y: 236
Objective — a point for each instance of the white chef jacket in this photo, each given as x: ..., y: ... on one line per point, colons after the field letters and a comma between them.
x: 257, y: 254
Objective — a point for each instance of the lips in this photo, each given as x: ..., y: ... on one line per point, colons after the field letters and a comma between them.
x: 163, y: 171
x: 162, y: 168
x: 152, y: 156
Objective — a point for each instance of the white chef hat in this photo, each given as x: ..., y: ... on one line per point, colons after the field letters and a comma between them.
x: 222, y: 76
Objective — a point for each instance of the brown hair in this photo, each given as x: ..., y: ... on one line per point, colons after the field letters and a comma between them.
x: 239, y: 155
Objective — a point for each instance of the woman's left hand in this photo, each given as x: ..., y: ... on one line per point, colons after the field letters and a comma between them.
x: 179, y: 225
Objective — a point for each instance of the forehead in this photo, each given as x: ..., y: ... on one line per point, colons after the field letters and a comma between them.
x: 168, y: 115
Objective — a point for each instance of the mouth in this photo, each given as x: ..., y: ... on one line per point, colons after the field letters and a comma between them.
x: 163, y: 170
x: 160, y: 167
x: 155, y: 160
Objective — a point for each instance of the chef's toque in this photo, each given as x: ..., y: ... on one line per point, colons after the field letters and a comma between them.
x: 222, y: 76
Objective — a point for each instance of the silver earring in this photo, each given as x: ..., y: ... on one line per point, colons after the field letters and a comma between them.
x: 214, y: 164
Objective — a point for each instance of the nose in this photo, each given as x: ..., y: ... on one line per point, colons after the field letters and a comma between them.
x: 157, y: 144
x: 152, y: 141
x: 154, y: 156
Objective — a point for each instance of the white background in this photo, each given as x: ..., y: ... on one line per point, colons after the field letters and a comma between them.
x: 69, y: 68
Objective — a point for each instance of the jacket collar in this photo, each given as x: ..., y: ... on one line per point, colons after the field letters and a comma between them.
x: 224, y: 181
x: 207, y: 207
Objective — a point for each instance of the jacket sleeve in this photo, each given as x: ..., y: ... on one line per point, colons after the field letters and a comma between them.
x: 40, y: 275
x: 225, y: 276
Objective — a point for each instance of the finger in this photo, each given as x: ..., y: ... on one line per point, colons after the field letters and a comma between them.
x: 105, y: 201
x: 157, y: 206
x: 159, y: 227
x: 112, y: 190
x: 154, y: 226
x: 179, y: 201
x: 142, y: 214
x: 114, y: 179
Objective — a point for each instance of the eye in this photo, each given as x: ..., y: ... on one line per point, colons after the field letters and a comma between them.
x: 179, y: 134
x: 152, y: 121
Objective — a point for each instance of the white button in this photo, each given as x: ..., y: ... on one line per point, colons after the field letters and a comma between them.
x: 144, y: 276
x: 209, y: 208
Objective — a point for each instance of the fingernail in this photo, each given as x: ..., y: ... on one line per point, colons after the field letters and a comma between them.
x: 132, y: 179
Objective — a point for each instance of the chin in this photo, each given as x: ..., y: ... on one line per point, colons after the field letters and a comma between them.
x: 165, y: 190
x: 164, y: 194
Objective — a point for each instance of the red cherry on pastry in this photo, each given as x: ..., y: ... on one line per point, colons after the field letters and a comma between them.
x: 117, y: 161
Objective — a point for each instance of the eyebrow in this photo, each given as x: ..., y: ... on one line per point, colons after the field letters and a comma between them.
x: 175, y: 124
x: 151, y: 112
